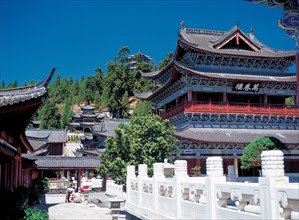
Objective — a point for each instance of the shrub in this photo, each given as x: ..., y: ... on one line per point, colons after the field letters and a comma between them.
x: 46, y: 182
x: 35, y: 214
x: 33, y: 196
x: 252, y: 152
x: 12, y: 203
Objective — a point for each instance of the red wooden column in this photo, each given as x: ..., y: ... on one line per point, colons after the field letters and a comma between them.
x: 224, y: 97
x: 236, y: 164
x: 265, y: 99
x: 68, y: 174
x: 189, y: 97
x: 79, y: 176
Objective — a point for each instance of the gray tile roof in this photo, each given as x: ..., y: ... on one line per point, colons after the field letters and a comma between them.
x: 10, y: 97
x: 22, y: 94
x: 87, y: 107
x: 143, y: 95
x: 258, y: 78
x: 39, y: 137
x: 52, y: 162
x: 155, y: 74
x: 206, y: 39
x: 214, y: 135
x: 7, y: 147
x: 179, y: 66
x: 110, y: 125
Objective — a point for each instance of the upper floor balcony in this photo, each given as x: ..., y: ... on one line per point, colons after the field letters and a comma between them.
x: 230, y: 108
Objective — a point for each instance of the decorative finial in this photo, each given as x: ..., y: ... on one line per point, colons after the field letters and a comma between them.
x: 238, y: 24
x: 182, y: 24
x: 251, y: 30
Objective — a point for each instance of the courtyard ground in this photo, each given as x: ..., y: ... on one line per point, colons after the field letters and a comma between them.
x: 57, y: 209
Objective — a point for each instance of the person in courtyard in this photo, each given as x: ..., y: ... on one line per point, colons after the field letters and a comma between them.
x: 76, y: 197
x: 69, y: 191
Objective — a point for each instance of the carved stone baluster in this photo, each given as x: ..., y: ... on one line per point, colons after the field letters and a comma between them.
x: 185, y: 193
x: 197, y: 195
x: 222, y: 198
x: 169, y: 191
x: 161, y: 190
x: 150, y: 188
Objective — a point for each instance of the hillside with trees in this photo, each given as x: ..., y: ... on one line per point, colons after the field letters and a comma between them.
x: 112, y: 91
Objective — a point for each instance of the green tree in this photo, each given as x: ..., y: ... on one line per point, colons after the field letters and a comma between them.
x: 82, y: 86
x: 99, y: 79
x: 75, y: 92
x: 120, y: 83
x: 67, y: 114
x: 2, y: 85
x: 15, y: 84
x: 31, y: 83
x: 9, y: 85
x: 90, y: 88
x: 115, y: 86
x: 148, y: 139
x: 166, y: 60
x: 290, y: 101
x: 49, y: 115
x: 122, y: 55
x: 142, y: 108
x: 252, y: 152
x: 139, y: 83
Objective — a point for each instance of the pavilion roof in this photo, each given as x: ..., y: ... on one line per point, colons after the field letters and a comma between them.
x: 231, y: 76
x: 86, y: 115
x: 143, y: 95
x: 216, y: 75
x: 87, y: 107
x: 7, y: 148
x: 218, y: 135
x: 40, y: 137
x: 52, y: 162
x: 155, y: 74
x: 77, y: 124
x: 17, y: 106
x: 21, y: 94
x: 109, y: 126
x: 213, y: 41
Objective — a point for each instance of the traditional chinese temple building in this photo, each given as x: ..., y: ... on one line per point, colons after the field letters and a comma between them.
x: 138, y: 57
x: 223, y: 90
x: 87, y: 122
x: 50, y: 156
x: 17, y: 107
x: 47, y: 142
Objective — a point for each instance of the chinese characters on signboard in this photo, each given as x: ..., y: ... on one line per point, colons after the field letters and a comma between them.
x: 245, y: 86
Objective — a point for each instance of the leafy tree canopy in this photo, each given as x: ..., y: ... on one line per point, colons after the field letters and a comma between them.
x: 49, y: 115
x: 166, y: 60
x: 142, y: 108
x: 252, y: 152
x: 148, y: 139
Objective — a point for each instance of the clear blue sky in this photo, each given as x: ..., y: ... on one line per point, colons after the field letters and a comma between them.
x: 79, y: 36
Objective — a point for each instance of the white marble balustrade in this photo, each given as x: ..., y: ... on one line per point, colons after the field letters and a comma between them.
x: 211, y: 197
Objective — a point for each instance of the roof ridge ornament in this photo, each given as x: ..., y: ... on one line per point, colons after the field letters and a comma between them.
x: 182, y: 25
x: 251, y: 31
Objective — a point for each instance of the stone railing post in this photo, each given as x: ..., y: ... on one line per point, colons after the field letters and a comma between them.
x: 158, y: 175
x: 180, y: 174
x: 130, y: 174
x: 272, y: 175
x: 142, y: 174
x: 214, y: 175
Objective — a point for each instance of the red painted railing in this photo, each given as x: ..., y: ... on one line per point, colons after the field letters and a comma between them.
x: 232, y: 108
